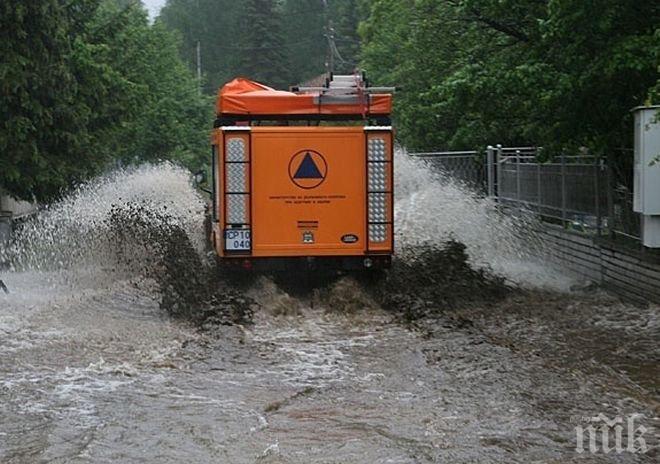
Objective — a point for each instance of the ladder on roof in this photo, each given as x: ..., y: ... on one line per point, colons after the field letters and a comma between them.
x: 349, y: 84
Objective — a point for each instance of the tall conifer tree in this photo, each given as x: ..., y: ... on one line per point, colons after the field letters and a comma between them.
x: 263, y: 55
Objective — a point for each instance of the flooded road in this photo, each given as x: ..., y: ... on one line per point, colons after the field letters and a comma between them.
x: 320, y: 384
x: 93, y: 369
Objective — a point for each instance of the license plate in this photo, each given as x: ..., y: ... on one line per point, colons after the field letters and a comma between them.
x: 237, y: 240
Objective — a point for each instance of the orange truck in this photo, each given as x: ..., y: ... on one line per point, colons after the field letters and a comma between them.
x: 303, y: 178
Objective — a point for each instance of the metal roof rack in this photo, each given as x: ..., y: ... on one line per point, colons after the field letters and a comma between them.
x: 349, y: 84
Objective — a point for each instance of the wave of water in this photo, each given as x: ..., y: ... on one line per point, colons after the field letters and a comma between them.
x: 80, y: 231
x: 431, y: 208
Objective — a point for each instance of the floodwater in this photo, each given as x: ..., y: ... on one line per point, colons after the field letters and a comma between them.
x: 103, y: 357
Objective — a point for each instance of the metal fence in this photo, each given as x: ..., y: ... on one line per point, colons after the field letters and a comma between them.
x: 468, y: 167
x: 581, y: 192
x: 570, y: 189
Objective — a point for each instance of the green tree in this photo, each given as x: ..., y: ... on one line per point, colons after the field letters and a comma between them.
x: 215, y: 24
x: 167, y: 118
x: 87, y: 84
x: 52, y: 97
x: 559, y: 73
x: 263, y: 57
x: 278, y: 42
x: 345, y: 16
x: 304, y: 38
x: 605, y: 57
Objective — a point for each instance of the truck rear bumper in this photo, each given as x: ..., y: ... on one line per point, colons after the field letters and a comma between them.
x: 346, y: 263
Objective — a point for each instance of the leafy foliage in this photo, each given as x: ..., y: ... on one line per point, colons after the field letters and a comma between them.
x: 46, y: 117
x: 557, y: 73
x: 167, y: 117
x: 86, y: 84
x: 215, y: 24
x: 304, y: 23
x: 90, y: 83
x: 345, y: 16
x: 262, y: 54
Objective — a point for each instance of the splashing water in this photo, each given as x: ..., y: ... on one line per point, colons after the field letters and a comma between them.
x: 432, y: 208
x: 93, y: 372
x: 83, y: 230
x: 141, y: 228
x: 79, y: 232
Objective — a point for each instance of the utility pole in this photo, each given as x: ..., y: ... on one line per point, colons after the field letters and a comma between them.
x: 330, y: 36
x: 199, y: 65
x: 331, y: 51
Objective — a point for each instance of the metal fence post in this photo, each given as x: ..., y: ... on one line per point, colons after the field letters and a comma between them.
x: 498, y: 172
x: 518, y: 175
x: 611, y: 220
x: 597, y: 169
x: 538, y: 185
x: 563, y: 189
x: 490, y: 166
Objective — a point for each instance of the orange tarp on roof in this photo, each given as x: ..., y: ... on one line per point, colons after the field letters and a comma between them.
x: 243, y: 96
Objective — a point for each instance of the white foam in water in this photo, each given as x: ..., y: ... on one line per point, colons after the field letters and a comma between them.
x: 74, y: 232
x: 64, y: 257
x: 431, y: 208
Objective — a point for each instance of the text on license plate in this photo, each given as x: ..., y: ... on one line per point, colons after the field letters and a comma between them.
x: 237, y: 239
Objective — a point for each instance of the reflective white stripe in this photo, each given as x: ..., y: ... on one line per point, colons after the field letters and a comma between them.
x: 236, y: 179
x: 378, y: 180
x: 236, y: 149
x: 377, y: 207
x: 236, y: 209
x: 376, y: 149
x: 236, y: 128
x: 377, y: 232
x: 377, y: 128
x: 377, y: 177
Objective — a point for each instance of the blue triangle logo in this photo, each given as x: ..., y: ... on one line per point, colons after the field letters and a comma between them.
x: 308, y: 169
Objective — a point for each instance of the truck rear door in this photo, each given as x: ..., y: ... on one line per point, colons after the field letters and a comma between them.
x: 309, y: 191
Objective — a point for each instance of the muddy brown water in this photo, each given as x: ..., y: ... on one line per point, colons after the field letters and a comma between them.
x: 106, y: 377
x: 119, y: 346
